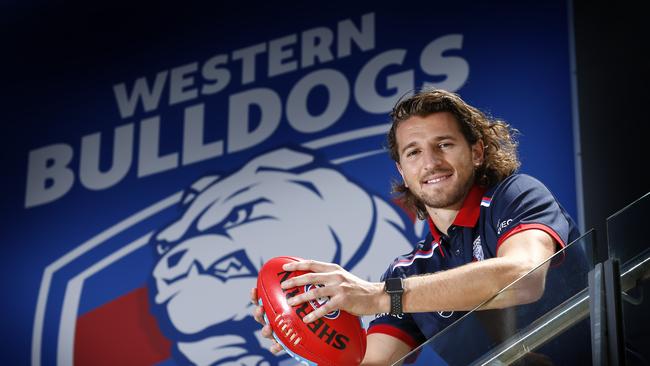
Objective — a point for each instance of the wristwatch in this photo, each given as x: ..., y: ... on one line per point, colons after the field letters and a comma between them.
x: 394, y: 288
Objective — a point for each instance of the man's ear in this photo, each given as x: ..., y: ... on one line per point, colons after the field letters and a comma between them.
x: 478, y: 153
x: 399, y: 169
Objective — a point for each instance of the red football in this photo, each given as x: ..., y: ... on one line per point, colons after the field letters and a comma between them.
x: 337, y: 339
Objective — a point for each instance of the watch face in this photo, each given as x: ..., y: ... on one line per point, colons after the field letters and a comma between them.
x: 394, y: 285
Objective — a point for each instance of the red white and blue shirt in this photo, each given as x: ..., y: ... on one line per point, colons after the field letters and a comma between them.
x: 486, y: 219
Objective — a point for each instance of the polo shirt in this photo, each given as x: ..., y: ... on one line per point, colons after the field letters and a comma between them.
x: 487, y: 217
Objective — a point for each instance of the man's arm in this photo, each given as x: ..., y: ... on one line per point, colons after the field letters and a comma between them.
x: 461, y: 288
x: 465, y: 287
x: 383, y: 349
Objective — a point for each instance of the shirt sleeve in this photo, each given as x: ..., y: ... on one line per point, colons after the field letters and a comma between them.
x: 402, y: 327
x: 523, y: 203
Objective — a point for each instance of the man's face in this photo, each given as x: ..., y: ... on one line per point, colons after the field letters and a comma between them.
x: 436, y: 161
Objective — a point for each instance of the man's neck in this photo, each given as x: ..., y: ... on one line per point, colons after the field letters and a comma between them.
x: 443, y: 217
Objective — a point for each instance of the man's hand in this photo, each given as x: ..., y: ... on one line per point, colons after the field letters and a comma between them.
x: 258, y: 314
x: 345, y: 290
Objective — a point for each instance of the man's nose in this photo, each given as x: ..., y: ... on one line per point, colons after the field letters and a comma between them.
x: 432, y: 158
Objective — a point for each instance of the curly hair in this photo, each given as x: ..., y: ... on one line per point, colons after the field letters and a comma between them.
x: 499, y: 139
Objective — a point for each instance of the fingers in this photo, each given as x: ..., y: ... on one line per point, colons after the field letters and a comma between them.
x: 332, y: 278
x: 311, y: 265
x: 307, y: 279
x: 319, y: 313
x: 258, y: 314
x: 312, y: 294
x: 276, y: 348
x: 267, y: 332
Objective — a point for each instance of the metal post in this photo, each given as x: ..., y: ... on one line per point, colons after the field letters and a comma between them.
x: 597, y: 316
x: 615, y: 335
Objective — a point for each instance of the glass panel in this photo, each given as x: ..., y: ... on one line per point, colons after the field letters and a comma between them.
x: 626, y: 237
x: 635, y: 285
x: 629, y: 243
x: 554, y: 329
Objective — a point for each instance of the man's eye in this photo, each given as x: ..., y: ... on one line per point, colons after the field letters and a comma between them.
x: 445, y: 145
x: 412, y: 152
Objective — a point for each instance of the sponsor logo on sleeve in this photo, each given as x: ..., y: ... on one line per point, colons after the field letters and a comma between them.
x: 503, y: 225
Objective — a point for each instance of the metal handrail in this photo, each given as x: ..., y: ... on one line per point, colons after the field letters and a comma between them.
x: 560, y: 318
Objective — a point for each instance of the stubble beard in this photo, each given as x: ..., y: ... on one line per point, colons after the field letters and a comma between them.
x: 448, y: 200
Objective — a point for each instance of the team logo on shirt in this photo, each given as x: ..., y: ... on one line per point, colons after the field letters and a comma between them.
x: 445, y: 314
x: 477, y: 249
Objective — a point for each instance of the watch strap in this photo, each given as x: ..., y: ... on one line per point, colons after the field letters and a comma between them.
x: 394, y: 287
x: 396, y: 303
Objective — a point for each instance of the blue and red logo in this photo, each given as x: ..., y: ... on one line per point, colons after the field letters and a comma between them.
x: 320, y: 302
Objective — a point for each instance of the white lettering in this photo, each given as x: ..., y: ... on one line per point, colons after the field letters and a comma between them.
x: 364, y: 37
x: 338, y: 90
x: 179, y: 81
x: 220, y: 75
x: 456, y: 69
x: 278, y: 54
x: 150, y: 97
x: 240, y: 136
x: 315, y: 103
x: 149, y: 160
x: 365, y: 91
x: 247, y: 55
x: 194, y: 148
x: 316, y: 44
x: 48, y: 174
x: 503, y: 225
x: 90, y: 174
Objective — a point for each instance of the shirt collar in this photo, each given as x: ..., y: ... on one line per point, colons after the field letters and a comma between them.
x: 467, y: 215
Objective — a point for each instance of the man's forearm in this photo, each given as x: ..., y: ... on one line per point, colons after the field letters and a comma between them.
x: 465, y: 287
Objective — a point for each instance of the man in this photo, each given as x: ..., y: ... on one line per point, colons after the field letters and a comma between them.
x: 488, y: 227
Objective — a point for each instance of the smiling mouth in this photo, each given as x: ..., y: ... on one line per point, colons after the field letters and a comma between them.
x: 436, y: 180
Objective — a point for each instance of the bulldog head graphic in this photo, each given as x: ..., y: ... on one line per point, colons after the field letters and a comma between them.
x: 279, y: 203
